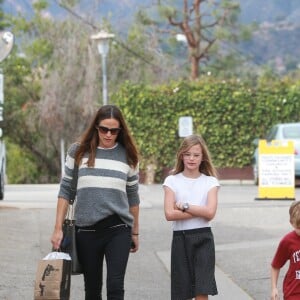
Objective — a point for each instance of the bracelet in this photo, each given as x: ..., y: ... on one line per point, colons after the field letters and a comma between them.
x: 134, y: 234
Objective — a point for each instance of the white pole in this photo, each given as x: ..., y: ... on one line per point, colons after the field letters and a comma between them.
x: 104, y: 79
x: 62, y: 156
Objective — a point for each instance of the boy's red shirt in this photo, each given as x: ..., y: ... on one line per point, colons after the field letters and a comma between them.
x: 289, y: 249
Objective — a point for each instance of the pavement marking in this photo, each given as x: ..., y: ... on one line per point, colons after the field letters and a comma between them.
x: 226, y: 287
x: 247, y: 245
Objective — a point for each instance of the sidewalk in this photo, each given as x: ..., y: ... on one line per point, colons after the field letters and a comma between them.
x: 151, y: 265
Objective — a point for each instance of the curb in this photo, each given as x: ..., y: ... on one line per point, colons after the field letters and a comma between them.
x: 227, y: 289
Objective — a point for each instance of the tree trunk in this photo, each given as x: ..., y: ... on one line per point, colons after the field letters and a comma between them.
x: 194, y: 68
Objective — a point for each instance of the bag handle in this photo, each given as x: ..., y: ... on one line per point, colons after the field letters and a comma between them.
x: 74, y: 184
x: 70, y: 211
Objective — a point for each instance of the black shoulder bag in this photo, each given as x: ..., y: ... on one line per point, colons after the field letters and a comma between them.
x: 68, y: 243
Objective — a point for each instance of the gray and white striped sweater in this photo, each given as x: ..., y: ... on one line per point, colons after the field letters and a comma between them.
x: 110, y: 187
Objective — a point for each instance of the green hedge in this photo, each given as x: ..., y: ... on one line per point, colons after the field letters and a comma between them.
x: 229, y: 115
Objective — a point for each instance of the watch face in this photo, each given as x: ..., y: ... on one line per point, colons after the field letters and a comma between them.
x: 186, y: 206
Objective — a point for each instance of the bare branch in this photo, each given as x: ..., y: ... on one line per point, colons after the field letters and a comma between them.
x: 73, y: 13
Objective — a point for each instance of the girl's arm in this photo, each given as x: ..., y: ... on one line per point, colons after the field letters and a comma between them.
x: 207, y: 211
x: 274, y: 280
x: 172, y: 212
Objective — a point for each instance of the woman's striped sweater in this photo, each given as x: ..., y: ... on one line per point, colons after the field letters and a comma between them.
x: 110, y: 187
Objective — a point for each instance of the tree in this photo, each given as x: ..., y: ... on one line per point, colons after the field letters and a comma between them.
x: 134, y: 55
x: 3, y: 20
x: 50, y: 87
x: 53, y: 83
x: 202, y: 22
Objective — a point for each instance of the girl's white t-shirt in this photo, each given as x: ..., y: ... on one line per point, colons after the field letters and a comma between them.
x: 193, y: 191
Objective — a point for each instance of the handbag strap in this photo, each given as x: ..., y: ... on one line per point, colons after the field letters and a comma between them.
x: 74, y: 185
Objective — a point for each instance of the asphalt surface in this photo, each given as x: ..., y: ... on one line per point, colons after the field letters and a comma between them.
x: 246, y: 232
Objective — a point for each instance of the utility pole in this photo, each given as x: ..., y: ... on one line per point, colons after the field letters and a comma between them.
x: 6, y: 45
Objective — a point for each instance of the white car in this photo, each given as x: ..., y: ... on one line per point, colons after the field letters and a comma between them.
x: 282, y: 131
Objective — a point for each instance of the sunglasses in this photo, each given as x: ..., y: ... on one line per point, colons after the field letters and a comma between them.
x: 105, y: 130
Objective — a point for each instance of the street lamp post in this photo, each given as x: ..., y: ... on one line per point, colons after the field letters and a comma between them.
x: 6, y: 45
x: 102, y: 38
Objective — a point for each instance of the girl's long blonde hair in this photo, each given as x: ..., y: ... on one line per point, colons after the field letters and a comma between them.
x: 206, y: 167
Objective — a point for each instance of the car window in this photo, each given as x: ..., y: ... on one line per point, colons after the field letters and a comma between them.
x: 291, y: 132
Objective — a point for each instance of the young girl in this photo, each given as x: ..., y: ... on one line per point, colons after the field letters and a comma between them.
x: 191, y: 202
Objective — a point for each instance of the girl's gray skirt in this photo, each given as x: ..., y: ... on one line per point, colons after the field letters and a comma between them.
x: 193, y: 264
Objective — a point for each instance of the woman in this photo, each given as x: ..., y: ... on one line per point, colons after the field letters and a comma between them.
x: 191, y: 202
x: 107, y: 208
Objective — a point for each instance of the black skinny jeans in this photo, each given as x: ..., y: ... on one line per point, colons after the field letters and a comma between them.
x: 93, y: 244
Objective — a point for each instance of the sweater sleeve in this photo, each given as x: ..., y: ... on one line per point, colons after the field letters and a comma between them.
x: 132, y: 187
x: 66, y: 181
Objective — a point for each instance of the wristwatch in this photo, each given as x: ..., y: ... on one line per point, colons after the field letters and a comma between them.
x: 185, y: 207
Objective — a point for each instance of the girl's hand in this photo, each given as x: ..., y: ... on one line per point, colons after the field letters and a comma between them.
x: 179, y: 205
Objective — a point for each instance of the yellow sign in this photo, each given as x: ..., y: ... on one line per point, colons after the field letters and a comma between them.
x: 276, y: 170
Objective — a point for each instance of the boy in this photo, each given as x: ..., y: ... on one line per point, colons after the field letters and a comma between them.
x: 288, y: 249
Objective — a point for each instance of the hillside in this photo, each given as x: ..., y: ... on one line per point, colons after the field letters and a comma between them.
x: 276, y: 41
x: 251, y: 10
x: 270, y: 11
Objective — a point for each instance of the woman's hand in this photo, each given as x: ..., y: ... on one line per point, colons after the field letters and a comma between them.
x: 134, y: 243
x: 56, y: 239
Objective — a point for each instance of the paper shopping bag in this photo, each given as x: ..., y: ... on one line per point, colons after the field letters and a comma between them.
x: 53, y: 280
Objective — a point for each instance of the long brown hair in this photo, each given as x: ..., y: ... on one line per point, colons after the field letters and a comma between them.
x: 206, y: 167
x: 89, y: 141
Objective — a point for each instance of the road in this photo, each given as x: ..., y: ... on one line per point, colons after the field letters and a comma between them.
x: 246, y: 231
